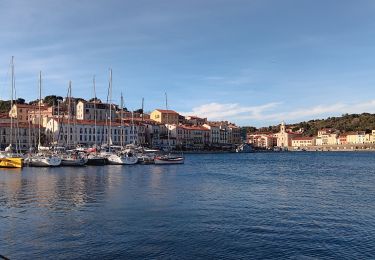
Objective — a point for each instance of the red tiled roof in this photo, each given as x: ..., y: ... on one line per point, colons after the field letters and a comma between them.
x: 166, y: 111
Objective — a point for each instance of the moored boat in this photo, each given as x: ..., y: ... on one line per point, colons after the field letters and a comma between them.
x: 40, y: 160
x: 10, y: 160
x: 169, y: 159
x: 125, y: 158
x: 73, y: 161
x: 96, y: 160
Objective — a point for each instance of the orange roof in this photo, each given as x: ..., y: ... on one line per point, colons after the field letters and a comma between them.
x: 166, y: 111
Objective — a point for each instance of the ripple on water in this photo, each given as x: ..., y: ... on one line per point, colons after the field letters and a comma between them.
x: 226, y: 206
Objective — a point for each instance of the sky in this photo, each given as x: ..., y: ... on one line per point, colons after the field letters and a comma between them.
x: 252, y: 62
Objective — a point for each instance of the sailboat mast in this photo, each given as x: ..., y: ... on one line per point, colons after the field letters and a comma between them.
x: 110, y: 110
x: 11, y: 104
x: 143, y: 112
x: 166, y: 106
x: 69, y: 114
x: 121, y: 123
x: 40, y: 100
x: 133, y: 127
x: 96, y: 136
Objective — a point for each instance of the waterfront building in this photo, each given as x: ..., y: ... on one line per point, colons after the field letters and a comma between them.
x: 327, y: 136
x: 21, y: 112
x: 303, y: 141
x: 234, y: 136
x: 152, y: 133
x: 214, y: 133
x: 194, y: 120
x: 84, y: 132
x: 358, y: 137
x: 265, y: 140
x: 23, y: 136
x: 342, y: 139
x: 86, y: 111
x: 165, y: 116
x: 285, y: 136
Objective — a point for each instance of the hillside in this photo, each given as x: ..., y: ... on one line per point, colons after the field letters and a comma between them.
x: 344, y: 123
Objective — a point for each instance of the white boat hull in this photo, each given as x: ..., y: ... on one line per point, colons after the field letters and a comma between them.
x: 178, y: 160
x: 122, y: 160
x: 43, y: 161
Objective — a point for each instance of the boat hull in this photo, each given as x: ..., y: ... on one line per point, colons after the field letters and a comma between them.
x: 11, y: 162
x: 96, y: 161
x: 73, y: 162
x: 122, y: 160
x: 169, y: 160
x: 43, y: 162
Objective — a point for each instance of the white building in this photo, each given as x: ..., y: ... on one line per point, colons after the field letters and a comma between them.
x: 85, y: 132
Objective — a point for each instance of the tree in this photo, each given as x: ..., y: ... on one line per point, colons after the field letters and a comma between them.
x: 97, y: 100
x: 20, y: 101
x: 140, y: 111
x: 52, y: 100
x: 4, y: 106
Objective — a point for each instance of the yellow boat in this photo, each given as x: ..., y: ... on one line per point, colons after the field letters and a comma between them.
x: 11, y: 162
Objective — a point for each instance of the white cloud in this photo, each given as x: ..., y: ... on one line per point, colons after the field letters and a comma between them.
x: 270, y: 113
x: 230, y: 111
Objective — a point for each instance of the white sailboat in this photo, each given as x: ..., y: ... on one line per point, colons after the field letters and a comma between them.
x: 71, y: 158
x: 168, y: 158
x: 42, y: 159
x: 126, y: 157
x: 94, y: 158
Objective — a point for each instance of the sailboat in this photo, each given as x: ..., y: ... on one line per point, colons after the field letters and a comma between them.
x: 125, y: 157
x: 71, y: 158
x: 9, y: 159
x: 168, y: 158
x: 94, y: 158
x: 42, y: 159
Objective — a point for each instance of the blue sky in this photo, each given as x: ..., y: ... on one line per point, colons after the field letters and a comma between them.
x: 253, y: 62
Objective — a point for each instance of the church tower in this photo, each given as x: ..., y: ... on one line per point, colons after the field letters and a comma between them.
x: 282, y: 127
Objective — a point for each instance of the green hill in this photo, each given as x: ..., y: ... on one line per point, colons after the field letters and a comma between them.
x: 344, y: 123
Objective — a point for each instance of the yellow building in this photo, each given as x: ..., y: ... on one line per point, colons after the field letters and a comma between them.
x: 165, y: 116
x: 356, y: 137
x: 303, y: 141
x: 21, y: 111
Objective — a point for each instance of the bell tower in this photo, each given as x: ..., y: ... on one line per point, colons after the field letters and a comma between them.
x: 282, y: 127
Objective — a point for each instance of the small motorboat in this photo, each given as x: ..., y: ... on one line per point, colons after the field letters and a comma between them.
x: 169, y: 159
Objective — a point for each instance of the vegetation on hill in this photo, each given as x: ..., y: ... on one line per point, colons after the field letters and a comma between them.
x: 344, y: 123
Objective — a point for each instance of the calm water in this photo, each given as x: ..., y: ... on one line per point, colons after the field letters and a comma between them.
x: 280, y: 205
